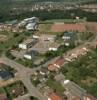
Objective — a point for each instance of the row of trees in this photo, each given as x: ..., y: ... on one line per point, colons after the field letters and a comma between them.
x: 45, y: 15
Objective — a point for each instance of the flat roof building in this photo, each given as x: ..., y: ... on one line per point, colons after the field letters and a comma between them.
x: 31, y: 54
x: 74, y: 90
x: 28, y: 43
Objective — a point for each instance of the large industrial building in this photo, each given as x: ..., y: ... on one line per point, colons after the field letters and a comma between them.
x: 29, y: 23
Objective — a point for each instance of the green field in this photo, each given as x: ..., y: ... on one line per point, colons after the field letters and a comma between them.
x: 64, y: 20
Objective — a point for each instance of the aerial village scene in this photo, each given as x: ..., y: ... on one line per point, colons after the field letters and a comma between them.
x: 48, y: 50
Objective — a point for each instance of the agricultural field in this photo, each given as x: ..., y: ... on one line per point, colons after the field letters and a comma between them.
x: 64, y: 20
x: 45, y: 27
x: 83, y: 71
x: 62, y: 25
x: 91, y: 26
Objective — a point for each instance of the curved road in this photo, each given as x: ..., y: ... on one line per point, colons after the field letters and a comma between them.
x: 24, y: 75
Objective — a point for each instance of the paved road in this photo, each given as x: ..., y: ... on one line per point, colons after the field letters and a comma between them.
x: 24, y: 75
x: 91, y: 42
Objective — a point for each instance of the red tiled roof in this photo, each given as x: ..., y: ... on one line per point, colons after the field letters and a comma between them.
x: 52, y: 67
x: 59, y: 62
x: 53, y: 96
x: 3, y: 97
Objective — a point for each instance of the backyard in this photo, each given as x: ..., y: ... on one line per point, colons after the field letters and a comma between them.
x: 16, y: 89
x: 56, y: 86
x: 83, y: 71
x: 12, y: 40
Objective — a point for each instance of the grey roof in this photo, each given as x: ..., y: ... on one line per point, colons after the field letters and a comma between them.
x: 75, y: 90
x: 32, y: 52
x: 69, y: 34
x: 6, y: 75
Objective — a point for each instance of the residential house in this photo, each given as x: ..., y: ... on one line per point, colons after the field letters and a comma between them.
x: 51, y: 67
x: 67, y: 35
x: 5, y: 75
x: 56, y: 65
x: 53, y: 96
x: 74, y: 91
x: 69, y: 38
x: 53, y: 49
x: 31, y: 54
x: 44, y: 71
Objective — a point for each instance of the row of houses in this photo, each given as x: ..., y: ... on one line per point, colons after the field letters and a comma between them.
x: 75, y: 92
x: 58, y: 64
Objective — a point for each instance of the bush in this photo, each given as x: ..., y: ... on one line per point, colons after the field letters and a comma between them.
x: 9, y: 55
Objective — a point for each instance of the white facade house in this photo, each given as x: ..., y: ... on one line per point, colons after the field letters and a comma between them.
x: 49, y: 98
x: 23, y: 46
x: 35, y: 37
x: 53, y: 49
x: 27, y: 56
x: 31, y: 54
x: 67, y: 44
x: 27, y: 44
x: 68, y: 35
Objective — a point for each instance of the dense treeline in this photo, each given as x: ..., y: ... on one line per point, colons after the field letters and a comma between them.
x: 45, y: 15
x: 47, y: 0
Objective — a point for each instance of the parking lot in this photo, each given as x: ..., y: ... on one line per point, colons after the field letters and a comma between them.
x: 45, y: 42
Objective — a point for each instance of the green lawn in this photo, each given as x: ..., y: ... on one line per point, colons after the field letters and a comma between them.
x: 45, y: 27
x: 64, y: 20
x: 2, y: 90
x: 26, y: 62
x: 55, y: 86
